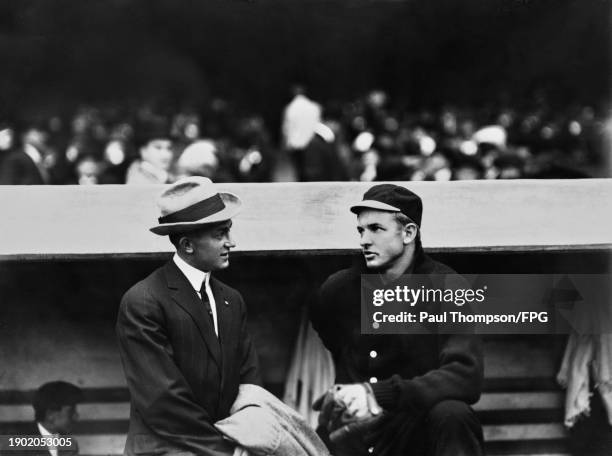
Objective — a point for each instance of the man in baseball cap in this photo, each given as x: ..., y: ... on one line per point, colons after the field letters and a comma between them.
x: 400, y: 394
x: 182, y: 333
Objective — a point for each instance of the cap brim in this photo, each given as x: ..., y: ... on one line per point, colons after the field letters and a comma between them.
x: 233, y: 205
x: 373, y: 204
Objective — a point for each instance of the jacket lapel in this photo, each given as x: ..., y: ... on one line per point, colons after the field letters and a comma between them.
x: 225, y: 320
x: 185, y: 296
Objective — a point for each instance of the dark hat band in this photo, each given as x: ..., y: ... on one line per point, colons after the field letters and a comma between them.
x: 195, y: 212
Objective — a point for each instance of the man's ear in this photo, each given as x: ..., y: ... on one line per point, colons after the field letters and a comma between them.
x: 410, y: 233
x: 51, y: 415
x: 185, y: 244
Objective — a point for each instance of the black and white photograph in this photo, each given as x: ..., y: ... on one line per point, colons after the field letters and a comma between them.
x: 306, y: 227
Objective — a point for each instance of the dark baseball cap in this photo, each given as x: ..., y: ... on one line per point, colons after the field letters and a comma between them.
x: 392, y: 198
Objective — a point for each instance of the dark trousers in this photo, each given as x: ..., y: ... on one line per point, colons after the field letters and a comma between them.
x: 451, y: 428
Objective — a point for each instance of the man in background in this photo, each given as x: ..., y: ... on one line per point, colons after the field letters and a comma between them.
x: 55, y: 415
x: 156, y: 154
x: 30, y: 164
x: 300, y: 119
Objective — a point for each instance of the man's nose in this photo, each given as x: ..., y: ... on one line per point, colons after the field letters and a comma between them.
x: 365, y: 240
x: 229, y: 243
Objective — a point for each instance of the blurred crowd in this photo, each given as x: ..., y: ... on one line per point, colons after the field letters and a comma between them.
x: 367, y: 139
x: 372, y: 139
x: 141, y: 145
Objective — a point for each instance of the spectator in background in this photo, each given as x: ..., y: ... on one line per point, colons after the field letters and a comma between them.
x: 198, y: 159
x: 55, y: 414
x: 156, y: 154
x: 30, y: 164
x: 93, y: 171
x: 118, y: 152
x: 436, y: 167
x: 300, y: 119
x: 467, y: 168
x: 365, y: 162
x: 251, y: 158
x: 509, y: 166
x: 7, y: 141
x: 321, y: 160
x: 185, y: 129
x: 88, y: 134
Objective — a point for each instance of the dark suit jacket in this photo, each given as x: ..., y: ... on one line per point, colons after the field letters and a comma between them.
x: 19, y: 169
x: 181, y: 378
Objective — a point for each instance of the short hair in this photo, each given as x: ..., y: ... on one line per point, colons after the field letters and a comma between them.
x: 403, y: 220
x: 54, y: 396
x: 175, y: 238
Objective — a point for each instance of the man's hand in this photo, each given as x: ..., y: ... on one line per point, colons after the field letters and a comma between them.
x: 359, y: 400
x: 331, y: 410
x: 349, y: 414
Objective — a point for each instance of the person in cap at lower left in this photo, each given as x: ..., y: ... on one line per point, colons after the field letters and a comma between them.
x: 182, y: 333
x: 55, y: 415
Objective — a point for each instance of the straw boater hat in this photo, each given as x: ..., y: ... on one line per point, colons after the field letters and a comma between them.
x: 192, y: 202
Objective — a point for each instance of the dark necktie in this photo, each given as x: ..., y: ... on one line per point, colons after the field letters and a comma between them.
x: 206, y: 302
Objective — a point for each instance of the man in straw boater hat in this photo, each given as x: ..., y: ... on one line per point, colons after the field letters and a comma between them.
x: 182, y: 333
x: 395, y: 394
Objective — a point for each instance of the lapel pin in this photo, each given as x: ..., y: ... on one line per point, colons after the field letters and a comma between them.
x: 226, y: 303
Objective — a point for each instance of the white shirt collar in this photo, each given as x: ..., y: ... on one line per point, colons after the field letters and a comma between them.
x: 194, y: 275
x: 196, y: 278
x: 44, y: 432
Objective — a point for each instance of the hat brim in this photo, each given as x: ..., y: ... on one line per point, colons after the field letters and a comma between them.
x: 233, y: 205
x: 373, y: 204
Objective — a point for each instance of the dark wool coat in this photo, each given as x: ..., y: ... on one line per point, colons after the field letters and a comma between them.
x: 181, y: 377
x: 410, y: 373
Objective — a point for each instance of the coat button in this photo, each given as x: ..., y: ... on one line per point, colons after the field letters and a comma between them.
x: 371, y: 450
x: 373, y: 354
x: 373, y: 379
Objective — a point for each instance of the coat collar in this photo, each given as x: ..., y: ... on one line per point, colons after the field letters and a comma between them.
x: 226, y: 314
